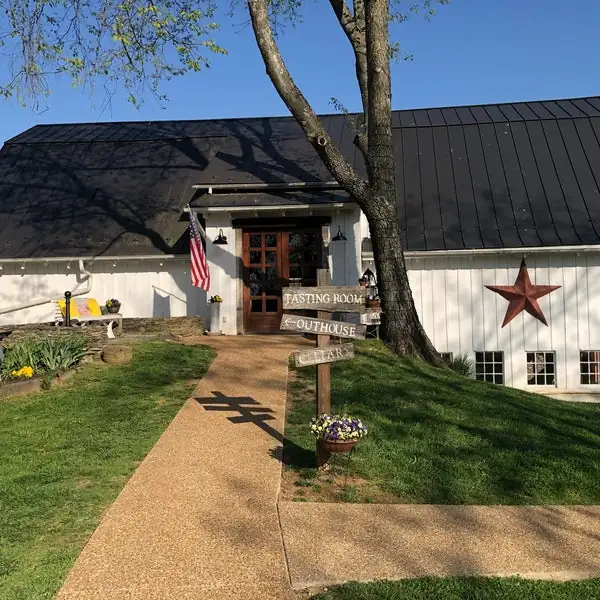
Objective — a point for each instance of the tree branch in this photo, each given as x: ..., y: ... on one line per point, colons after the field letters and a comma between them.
x: 353, y: 25
x: 343, y: 172
x: 379, y: 133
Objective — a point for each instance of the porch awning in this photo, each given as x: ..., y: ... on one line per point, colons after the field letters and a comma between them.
x: 273, y: 199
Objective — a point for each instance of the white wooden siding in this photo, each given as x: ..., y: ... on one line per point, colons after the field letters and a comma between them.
x: 461, y: 316
x: 145, y: 288
x: 225, y: 265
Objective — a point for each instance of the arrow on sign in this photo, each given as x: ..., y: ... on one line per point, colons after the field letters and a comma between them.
x: 323, y: 327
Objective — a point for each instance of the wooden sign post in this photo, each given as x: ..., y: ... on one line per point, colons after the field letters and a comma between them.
x: 325, y: 299
x: 323, y: 369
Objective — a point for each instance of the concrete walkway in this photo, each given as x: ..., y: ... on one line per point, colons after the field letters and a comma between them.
x: 198, y: 519
x: 333, y: 543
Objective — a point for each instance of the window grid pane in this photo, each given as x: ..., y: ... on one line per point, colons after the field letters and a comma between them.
x: 589, y: 367
x: 541, y: 368
x: 489, y: 366
x: 446, y: 356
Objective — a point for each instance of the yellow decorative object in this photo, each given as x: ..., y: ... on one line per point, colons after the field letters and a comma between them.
x: 81, y: 307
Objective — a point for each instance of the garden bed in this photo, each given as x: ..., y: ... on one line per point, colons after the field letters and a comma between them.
x: 9, y: 389
x: 439, y: 438
x: 36, y: 361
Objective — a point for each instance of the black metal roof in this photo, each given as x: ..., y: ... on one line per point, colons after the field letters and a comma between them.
x: 488, y: 176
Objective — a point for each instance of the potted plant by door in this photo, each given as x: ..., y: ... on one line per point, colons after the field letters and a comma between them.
x: 337, y: 433
x: 363, y: 281
x: 113, y: 306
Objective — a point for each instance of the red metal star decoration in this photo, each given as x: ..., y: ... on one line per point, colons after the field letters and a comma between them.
x: 523, y: 296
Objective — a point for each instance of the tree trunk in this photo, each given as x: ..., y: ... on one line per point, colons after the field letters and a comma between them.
x: 401, y: 326
x: 402, y: 330
x: 376, y: 197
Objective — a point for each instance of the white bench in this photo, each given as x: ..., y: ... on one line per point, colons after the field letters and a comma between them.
x: 82, y: 320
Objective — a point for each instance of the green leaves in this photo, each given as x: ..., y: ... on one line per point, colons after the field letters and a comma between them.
x: 44, y: 354
x: 137, y: 44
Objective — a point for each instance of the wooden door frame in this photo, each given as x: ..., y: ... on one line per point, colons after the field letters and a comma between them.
x: 283, y: 263
x: 246, y: 249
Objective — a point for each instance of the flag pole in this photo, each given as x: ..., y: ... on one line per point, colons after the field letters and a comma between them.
x: 198, y: 224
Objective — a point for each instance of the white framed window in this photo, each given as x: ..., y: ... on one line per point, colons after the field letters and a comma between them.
x: 489, y: 366
x: 541, y: 368
x: 589, y: 367
x: 447, y: 356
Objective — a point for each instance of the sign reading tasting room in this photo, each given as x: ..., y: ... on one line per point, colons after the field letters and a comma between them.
x: 326, y: 298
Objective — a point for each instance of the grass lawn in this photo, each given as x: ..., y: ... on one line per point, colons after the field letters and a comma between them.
x: 436, y: 437
x: 66, y: 454
x: 468, y: 588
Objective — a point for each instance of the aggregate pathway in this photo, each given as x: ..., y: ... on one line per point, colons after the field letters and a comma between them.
x: 198, y: 519
x: 333, y: 543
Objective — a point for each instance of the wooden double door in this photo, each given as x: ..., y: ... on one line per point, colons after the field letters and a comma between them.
x: 274, y: 260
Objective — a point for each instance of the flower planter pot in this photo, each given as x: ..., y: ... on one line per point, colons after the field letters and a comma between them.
x: 373, y: 303
x: 113, y: 310
x: 362, y: 282
x: 215, y: 319
x: 116, y: 355
x: 337, y: 446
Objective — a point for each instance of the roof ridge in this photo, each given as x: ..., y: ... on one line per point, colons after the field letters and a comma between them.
x: 25, y: 137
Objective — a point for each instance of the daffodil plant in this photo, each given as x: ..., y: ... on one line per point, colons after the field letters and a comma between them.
x: 25, y: 372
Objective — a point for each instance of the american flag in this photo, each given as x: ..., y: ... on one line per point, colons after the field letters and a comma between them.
x: 199, y: 265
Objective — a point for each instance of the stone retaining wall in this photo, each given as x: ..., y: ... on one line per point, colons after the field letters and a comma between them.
x: 175, y: 327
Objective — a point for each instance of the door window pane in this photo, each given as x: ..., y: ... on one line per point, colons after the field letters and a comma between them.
x: 255, y: 240
x: 256, y: 305
x: 270, y: 240
x: 310, y: 256
x: 255, y: 257
x: 271, y: 258
x: 271, y: 305
x: 295, y: 241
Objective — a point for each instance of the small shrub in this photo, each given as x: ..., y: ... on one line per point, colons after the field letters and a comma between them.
x: 61, y: 353
x: 462, y: 365
x: 19, y: 354
x: 43, y: 354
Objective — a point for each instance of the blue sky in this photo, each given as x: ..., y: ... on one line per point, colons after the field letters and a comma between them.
x: 473, y: 51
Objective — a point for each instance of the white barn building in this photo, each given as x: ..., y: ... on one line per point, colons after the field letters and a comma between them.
x: 100, y: 210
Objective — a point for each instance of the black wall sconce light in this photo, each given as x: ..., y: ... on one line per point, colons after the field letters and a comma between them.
x: 339, y: 236
x: 220, y: 240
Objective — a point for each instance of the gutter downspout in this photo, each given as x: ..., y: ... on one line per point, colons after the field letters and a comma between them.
x: 39, y: 302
